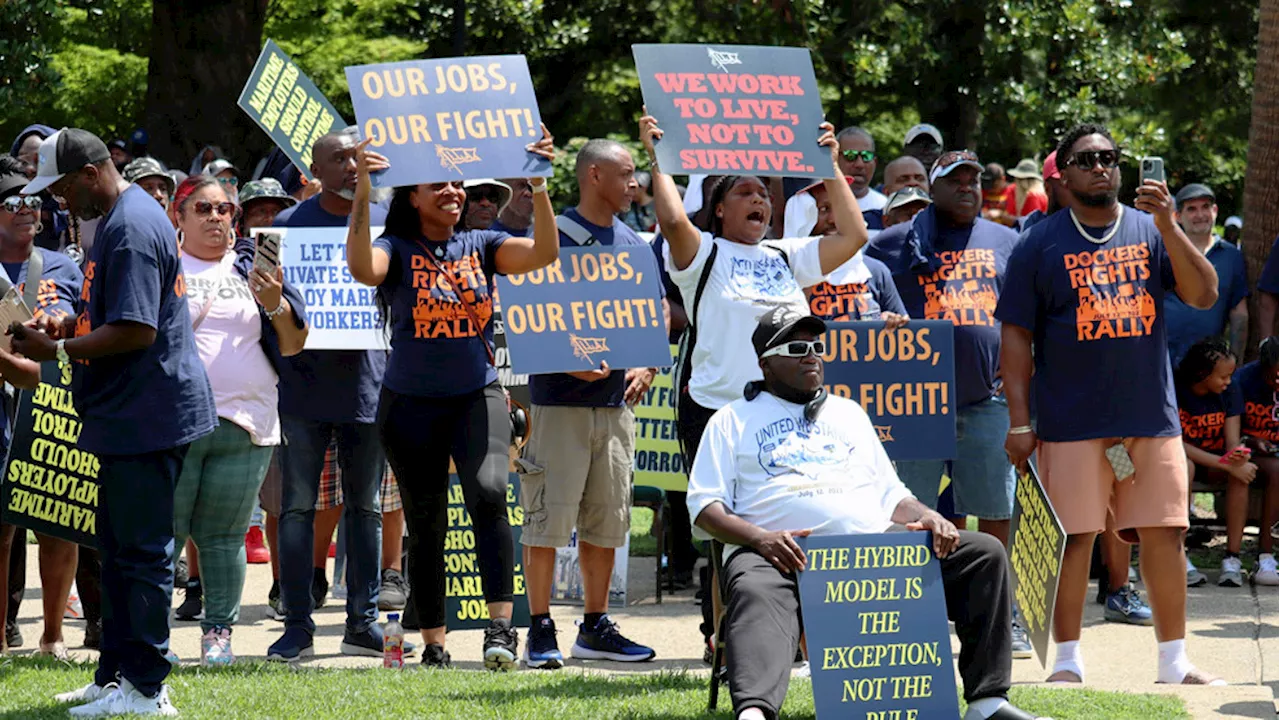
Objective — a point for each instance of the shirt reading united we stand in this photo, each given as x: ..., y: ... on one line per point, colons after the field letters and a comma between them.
x: 158, y: 397
x: 1258, y: 418
x: 1101, y: 308
x: 1204, y: 417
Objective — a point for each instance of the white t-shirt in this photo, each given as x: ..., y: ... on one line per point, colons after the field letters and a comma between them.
x: 746, y: 281
x: 872, y: 200
x: 778, y: 471
x: 229, y: 344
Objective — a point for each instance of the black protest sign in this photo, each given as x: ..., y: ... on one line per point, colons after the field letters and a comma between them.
x: 465, y: 607
x: 49, y: 484
x: 1036, y: 544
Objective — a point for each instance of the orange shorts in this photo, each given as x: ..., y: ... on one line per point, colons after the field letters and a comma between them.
x: 1082, y: 486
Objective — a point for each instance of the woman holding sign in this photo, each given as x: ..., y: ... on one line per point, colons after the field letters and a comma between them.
x: 245, y: 319
x: 441, y: 398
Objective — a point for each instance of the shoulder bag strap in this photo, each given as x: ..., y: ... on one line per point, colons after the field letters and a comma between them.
x: 208, y: 303
x: 574, y: 230
x: 457, y: 290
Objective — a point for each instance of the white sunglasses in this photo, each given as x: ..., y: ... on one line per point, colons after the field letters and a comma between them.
x: 797, y: 349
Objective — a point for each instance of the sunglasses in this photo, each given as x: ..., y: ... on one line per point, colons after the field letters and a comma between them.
x: 204, y: 207
x: 1087, y: 159
x: 13, y: 203
x: 229, y: 182
x: 797, y: 349
x: 865, y: 156
x: 490, y: 194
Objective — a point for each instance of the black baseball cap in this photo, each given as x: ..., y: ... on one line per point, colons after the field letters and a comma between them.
x: 1194, y: 191
x: 65, y: 151
x: 776, y: 326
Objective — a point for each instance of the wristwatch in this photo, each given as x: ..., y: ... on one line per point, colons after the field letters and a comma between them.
x: 63, y: 357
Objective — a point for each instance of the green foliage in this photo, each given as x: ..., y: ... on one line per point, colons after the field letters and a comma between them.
x: 563, y: 186
x: 101, y: 89
x: 27, y: 43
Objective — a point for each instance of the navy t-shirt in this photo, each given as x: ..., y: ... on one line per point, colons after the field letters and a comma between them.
x: 857, y: 301
x: 330, y: 385
x: 1187, y: 325
x: 158, y: 397
x: 513, y: 232
x: 436, y: 351
x: 1258, y: 418
x: 1269, y: 281
x: 1096, y: 313
x: 956, y: 274
x: 874, y: 219
x: 1204, y: 417
x: 561, y: 389
x: 668, y: 285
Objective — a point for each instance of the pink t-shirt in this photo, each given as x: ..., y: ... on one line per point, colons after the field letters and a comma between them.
x: 229, y: 343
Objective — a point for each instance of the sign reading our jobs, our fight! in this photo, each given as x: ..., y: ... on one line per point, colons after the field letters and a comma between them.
x: 49, y: 484
x: 449, y: 119
x: 904, y: 379
x: 594, y: 304
x: 884, y: 652
x: 341, y: 312
x: 1036, y: 544
x: 734, y: 108
x: 288, y: 106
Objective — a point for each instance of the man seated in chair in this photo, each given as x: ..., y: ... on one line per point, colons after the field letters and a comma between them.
x: 787, y: 435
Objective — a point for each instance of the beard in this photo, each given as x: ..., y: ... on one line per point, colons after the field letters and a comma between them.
x: 345, y: 194
x: 1102, y: 199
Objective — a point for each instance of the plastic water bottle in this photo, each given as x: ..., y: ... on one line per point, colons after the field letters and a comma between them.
x: 393, y: 642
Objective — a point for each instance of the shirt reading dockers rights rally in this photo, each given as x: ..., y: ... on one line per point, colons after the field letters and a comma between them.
x: 436, y: 351
x: 746, y: 281
x: 1259, y: 396
x: 158, y: 397
x: 1204, y: 417
x: 1096, y: 312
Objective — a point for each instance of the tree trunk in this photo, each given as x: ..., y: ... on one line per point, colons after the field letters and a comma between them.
x: 1261, y: 177
x: 201, y: 55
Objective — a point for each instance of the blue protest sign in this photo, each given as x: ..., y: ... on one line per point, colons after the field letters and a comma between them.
x: 449, y: 119
x: 593, y: 304
x: 288, y: 106
x: 904, y: 378
x: 733, y: 109
x: 879, y: 643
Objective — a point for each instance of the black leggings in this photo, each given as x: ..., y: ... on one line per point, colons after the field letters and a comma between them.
x: 419, y: 435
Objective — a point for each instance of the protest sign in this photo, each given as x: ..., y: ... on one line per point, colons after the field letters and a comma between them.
x: 288, y: 106
x: 49, y: 484
x: 464, y: 605
x: 658, y: 461
x: 566, y: 582
x: 1036, y: 544
x: 341, y: 312
x: 904, y: 378
x: 884, y: 650
x: 593, y: 304
x: 449, y: 119
x: 734, y: 108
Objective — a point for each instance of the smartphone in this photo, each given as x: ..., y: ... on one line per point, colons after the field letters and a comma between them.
x: 1237, y: 451
x: 267, y: 255
x: 1153, y: 168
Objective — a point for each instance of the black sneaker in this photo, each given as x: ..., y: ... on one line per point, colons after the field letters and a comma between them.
x: 192, y: 607
x: 319, y: 588
x: 275, y: 606
x: 93, y: 635
x: 180, y: 573
x: 12, y: 636
x: 435, y: 656
x: 500, y: 645
x: 394, y: 590
x: 541, y: 649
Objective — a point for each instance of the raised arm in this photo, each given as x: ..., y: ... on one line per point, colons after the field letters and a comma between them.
x: 366, y: 266
x: 851, y: 229
x: 1196, y: 280
x: 680, y: 233
x: 521, y: 254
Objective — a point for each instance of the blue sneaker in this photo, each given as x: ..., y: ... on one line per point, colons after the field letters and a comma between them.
x: 1125, y: 606
x: 604, y: 642
x: 369, y: 643
x: 295, y: 643
x: 540, y: 648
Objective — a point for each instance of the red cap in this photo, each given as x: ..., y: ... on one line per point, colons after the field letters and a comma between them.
x: 1050, y: 169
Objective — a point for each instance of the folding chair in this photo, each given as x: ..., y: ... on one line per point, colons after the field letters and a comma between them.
x: 717, y: 613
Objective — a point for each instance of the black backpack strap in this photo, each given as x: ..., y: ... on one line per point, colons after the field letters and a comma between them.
x: 697, y: 294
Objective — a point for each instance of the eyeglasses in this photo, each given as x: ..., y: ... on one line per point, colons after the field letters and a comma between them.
x: 1087, y: 159
x: 14, y: 203
x: 204, y: 207
x: 797, y: 349
x: 865, y: 155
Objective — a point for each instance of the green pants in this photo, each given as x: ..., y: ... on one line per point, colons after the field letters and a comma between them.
x: 212, y: 504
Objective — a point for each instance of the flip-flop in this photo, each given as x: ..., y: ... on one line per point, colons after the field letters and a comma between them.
x: 1066, y: 677
x: 1199, y: 677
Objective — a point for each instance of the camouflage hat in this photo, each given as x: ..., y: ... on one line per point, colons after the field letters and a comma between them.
x: 145, y: 167
x: 265, y: 188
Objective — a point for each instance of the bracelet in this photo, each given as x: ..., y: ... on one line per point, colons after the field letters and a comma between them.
x: 538, y: 187
x: 1021, y: 430
x: 273, y: 314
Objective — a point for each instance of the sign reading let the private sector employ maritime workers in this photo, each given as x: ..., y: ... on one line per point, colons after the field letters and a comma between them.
x: 449, y: 119
x: 49, y: 484
x: 884, y: 652
x: 733, y: 109
x: 904, y: 378
x: 288, y: 106
x: 594, y: 304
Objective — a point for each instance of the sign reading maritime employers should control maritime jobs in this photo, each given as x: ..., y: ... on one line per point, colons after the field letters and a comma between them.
x: 288, y: 106
x: 594, y: 304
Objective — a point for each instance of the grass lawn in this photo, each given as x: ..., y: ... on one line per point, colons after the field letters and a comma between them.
x: 274, y: 691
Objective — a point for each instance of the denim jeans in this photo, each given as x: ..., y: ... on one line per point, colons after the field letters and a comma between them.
x: 361, y: 460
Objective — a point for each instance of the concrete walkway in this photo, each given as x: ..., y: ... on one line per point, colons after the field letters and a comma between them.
x: 1232, y: 633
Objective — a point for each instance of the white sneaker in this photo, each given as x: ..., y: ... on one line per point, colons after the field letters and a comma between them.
x: 1230, y: 575
x: 1195, y: 578
x: 804, y: 670
x: 126, y: 700
x: 1266, y: 574
x: 75, y: 610
x: 88, y: 693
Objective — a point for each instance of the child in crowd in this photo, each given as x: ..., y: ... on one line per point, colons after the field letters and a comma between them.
x: 1259, y: 382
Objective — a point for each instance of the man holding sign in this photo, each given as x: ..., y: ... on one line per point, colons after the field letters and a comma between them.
x: 788, y: 460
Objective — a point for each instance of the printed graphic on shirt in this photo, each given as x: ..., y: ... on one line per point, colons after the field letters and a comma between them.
x: 802, y: 447
x: 231, y: 287
x: 1260, y: 420
x: 83, y: 326
x: 1112, y: 299
x: 1204, y: 430
x: 437, y: 312
x: 854, y: 301
x: 46, y: 300
x: 963, y: 290
x: 767, y: 275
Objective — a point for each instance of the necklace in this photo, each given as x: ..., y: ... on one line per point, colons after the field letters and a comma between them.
x: 1105, y: 238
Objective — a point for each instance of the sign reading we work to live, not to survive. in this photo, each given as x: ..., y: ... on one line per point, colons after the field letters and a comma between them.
x: 288, y: 106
